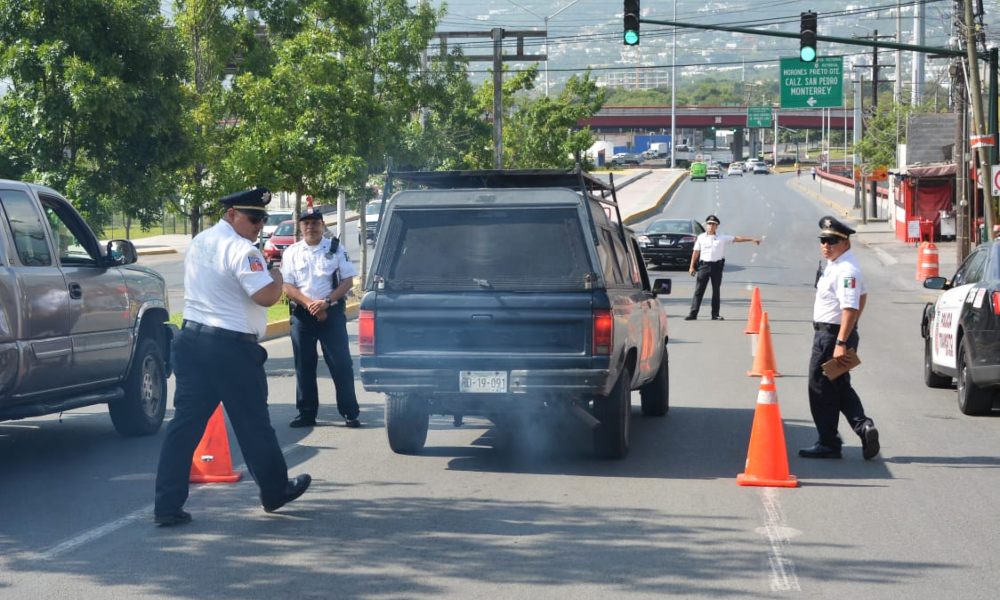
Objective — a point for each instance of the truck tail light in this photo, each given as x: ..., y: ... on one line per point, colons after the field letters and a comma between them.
x: 366, y: 332
x: 996, y: 303
x: 603, y: 332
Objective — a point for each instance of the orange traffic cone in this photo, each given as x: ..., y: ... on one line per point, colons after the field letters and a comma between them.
x: 763, y: 359
x: 212, y: 462
x: 767, y: 458
x: 753, y: 319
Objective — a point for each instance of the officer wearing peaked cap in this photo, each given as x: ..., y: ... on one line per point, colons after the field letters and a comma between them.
x: 216, y: 357
x: 318, y: 274
x: 841, y: 294
x: 708, y: 259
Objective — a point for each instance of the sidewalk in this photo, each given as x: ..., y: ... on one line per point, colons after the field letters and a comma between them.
x: 877, y: 234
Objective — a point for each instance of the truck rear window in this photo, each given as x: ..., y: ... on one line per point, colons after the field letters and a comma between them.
x: 497, y: 248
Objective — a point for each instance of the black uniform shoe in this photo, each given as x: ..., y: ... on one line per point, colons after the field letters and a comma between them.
x: 869, y: 442
x: 179, y: 517
x: 302, y: 421
x: 718, y: 318
x: 295, y: 488
x: 352, y: 423
x: 690, y: 317
x: 819, y: 450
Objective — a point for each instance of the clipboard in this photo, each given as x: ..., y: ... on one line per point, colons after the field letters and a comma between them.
x: 833, y: 369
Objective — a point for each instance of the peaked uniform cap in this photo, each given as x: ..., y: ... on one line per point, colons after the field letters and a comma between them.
x: 831, y: 226
x: 310, y: 213
x: 255, y: 200
x: 712, y: 219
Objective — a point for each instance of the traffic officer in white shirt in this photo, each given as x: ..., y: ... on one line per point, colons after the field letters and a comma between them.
x: 216, y: 357
x: 840, y: 299
x: 708, y: 260
x: 318, y: 275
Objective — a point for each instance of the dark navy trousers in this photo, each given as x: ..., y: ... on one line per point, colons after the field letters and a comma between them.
x: 705, y: 272
x: 331, y: 334
x: 827, y: 399
x: 210, y: 369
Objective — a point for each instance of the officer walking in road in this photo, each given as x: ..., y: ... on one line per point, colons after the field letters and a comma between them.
x: 216, y: 357
x: 708, y: 259
x: 840, y: 299
x: 318, y: 275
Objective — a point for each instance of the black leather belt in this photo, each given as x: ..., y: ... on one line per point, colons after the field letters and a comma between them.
x: 831, y: 327
x: 218, y: 331
x: 712, y: 262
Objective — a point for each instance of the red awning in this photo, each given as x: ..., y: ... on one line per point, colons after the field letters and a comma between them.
x: 935, y: 170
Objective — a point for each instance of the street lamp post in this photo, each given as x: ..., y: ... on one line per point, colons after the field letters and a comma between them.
x: 545, y: 21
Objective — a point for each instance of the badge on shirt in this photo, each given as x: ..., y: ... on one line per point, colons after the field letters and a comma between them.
x: 849, y: 282
x: 256, y: 264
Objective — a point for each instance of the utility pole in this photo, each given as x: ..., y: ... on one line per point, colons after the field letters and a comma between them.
x: 979, y: 123
x: 875, y: 81
x: 964, y: 212
x: 497, y: 57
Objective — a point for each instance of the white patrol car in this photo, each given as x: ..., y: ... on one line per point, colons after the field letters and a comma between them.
x: 960, y: 331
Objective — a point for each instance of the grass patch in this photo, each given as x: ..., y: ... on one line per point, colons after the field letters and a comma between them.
x: 278, y: 312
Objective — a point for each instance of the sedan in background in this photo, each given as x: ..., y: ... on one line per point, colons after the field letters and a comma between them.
x: 669, y: 241
x: 961, y: 331
x: 761, y: 169
x: 283, y: 237
x: 714, y: 171
x: 735, y: 169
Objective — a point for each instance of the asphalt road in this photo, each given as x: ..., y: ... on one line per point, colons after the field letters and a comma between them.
x: 470, y: 518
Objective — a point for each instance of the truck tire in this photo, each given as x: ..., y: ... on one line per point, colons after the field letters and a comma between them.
x: 614, y: 411
x: 406, y: 422
x: 141, y: 411
x: 656, y: 394
x: 972, y: 399
x: 932, y: 379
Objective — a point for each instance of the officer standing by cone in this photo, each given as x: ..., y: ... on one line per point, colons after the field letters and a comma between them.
x: 216, y: 357
x: 708, y: 259
x: 841, y: 294
x: 318, y: 275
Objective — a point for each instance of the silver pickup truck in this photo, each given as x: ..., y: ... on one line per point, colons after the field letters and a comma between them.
x: 80, y: 323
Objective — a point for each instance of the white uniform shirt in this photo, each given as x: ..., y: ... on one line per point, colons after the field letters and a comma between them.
x: 712, y: 247
x: 310, y: 268
x: 841, y: 286
x: 222, y: 270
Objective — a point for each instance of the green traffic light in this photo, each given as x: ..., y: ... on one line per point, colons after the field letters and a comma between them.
x: 631, y: 38
x: 807, y: 54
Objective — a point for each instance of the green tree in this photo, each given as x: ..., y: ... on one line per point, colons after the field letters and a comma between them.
x: 93, y: 102
x: 544, y: 132
x: 212, y: 37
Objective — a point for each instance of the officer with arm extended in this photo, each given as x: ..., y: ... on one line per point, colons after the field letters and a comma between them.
x: 708, y: 259
x: 841, y: 294
x: 318, y: 275
x: 216, y: 357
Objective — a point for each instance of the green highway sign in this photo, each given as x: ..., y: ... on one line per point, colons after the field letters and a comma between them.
x: 758, y: 116
x: 818, y: 84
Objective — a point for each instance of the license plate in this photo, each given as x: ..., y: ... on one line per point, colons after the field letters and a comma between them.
x: 482, y: 382
x: 665, y: 242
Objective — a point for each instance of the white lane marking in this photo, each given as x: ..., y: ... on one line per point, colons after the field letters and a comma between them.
x: 142, y: 514
x: 783, y: 576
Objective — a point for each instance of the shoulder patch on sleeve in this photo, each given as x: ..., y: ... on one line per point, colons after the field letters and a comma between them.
x: 256, y: 264
x: 850, y: 282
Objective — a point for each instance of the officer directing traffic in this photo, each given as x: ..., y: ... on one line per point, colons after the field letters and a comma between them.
x: 841, y: 294
x: 708, y: 259
x: 318, y: 275
x: 216, y: 357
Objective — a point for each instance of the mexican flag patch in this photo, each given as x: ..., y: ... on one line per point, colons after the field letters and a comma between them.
x: 849, y: 282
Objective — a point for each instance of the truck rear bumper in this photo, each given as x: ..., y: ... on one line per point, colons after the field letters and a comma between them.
x: 446, y: 381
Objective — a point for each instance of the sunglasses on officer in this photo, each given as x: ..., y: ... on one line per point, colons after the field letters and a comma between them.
x: 830, y: 241
x: 255, y: 218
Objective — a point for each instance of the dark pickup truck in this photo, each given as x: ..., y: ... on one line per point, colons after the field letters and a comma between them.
x: 502, y: 294
x: 80, y: 324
